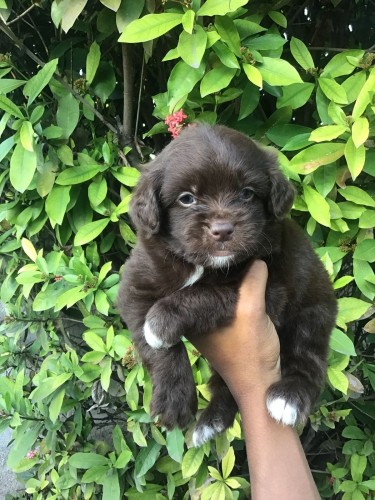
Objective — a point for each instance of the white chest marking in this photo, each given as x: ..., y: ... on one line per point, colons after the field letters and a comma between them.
x: 197, y: 274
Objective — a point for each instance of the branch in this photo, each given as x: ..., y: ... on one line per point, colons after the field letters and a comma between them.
x: 9, y: 33
x: 23, y: 14
x: 128, y: 75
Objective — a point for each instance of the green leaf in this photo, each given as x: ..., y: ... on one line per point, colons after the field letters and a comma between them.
x: 228, y: 33
x: 301, y: 53
x: 87, y: 460
x: 9, y: 107
x: 191, y: 47
x: 111, y: 486
x: 220, y: 7
x: 313, y: 157
x: 340, y: 342
x: 357, y: 195
x: 69, y: 12
x: 339, y: 65
x: 247, y: 28
x: 150, y: 27
x: 105, y: 81
x: 338, y: 379
x: 278, y: 18
x: 94, y: 341
x: 92, y: 61
x: 182, y: 81
x: 95, y: 474
x: 367, y: 219
x: 48, y: 386
x: 26, y: 437
x: 10, y: 84
x: 90, y: 231
x: 78, y: 174
x: 97, y: 191
x: 227, y: 463
x: 333, y: 90
x: 146, y: 458
x: 351, y: 309
x: 365, y: 96
x: 27, y: 136
x: 128, y: 176
x: 67, y: 115
x: 192, y: 461
x: 225, y: 55
x: 278, y: 72
x: 128, y: 12
x: 56, y: 404
x: 175, y: 444
x: 353, y: 432
x: 317, y: 205
x: 353, y: 85
x: 249, y: 100
x: 269, y: 41
x: 360, y: 131
x: 56, y: 204
x: 111, y: 4
x: 105, y: 376
x: 357, y: 466
x: 295, y: 95
x: 365, y: 250
x: 188, y: 20
x: 22, y: 168
x: 216, y: 79
x: 123, y: 459
x: 355, y: 158
x: 253, y: 74
x: 327, y: 133
x: 363, y: 274
x: 36, y: 84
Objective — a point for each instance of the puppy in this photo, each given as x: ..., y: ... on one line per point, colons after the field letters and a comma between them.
x: 210, y: 203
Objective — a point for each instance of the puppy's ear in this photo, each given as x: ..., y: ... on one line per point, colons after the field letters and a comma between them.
x: 281, y: 193
x: 145, y: 209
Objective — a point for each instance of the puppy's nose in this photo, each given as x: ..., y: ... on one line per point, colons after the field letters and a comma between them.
x: 221, y: 230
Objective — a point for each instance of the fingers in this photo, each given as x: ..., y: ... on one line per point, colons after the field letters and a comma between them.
x: 253, y: 288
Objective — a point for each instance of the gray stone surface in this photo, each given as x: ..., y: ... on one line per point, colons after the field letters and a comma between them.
x: 8, y: 481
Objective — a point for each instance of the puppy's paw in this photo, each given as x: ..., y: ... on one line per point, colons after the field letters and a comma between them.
x: 206, y: 431
x: 282, y: 411
x: 175, y: 405
x: 288, y: 402
x: 160, y: 330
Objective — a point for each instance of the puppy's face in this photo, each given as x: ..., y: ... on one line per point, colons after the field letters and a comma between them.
x: 210, y: 195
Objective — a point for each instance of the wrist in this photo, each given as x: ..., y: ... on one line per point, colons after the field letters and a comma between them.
x: 254, y: 388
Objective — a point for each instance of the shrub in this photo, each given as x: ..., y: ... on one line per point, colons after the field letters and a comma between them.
x: 68, y: 163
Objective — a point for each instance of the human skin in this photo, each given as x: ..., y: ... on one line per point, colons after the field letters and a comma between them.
x: 247, y: 356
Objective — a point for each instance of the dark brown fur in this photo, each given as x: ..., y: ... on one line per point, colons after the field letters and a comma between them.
x: 216, y: 163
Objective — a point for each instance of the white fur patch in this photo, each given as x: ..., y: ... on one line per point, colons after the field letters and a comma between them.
x: 197, y: 274
x: 204, y: 433
x: 216, y: 261
x: 152, y: 340
x: 282, y: 411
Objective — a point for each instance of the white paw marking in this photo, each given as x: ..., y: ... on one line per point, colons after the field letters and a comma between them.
x: 152, y: 340
x: 218, y: 262
x: 204, y: 433
x: 282, y: 411
x: 197, y: 274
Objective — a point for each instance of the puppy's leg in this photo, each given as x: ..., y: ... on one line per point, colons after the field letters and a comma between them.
x: 174, y: 398
x: 304, y: 345
x: 194, y: 310
x: 219, y: 414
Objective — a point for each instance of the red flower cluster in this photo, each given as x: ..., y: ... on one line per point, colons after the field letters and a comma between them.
x: 174, y: 122
x: 31, y: 454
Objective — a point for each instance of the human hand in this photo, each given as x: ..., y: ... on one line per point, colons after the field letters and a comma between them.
x: 247, y: 353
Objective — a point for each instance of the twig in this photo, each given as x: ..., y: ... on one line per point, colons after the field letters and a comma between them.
x: 9, y: 33
x: 138, y: 109
x: 23, y: 14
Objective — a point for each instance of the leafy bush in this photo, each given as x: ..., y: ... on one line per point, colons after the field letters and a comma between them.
x: 67, y: 168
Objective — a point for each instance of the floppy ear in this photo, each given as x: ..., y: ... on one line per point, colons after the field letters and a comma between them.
x: 145, y: 210
x: 281, y: 194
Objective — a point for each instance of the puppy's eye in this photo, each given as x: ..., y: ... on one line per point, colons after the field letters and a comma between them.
x: 187, y: 199
x: 246, y: 194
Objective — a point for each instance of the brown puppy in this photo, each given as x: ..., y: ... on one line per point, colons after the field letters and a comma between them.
x: 210, y: 203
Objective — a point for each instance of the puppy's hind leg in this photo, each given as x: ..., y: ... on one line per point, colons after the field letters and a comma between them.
x: 219, y: 414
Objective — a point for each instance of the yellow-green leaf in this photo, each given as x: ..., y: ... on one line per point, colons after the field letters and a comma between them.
x: 27, y: 136
x: 150, y: 27
x: 253, y: 74
x: 333, y: 90
x: 309, y: 159
x: 360, y: 131
x: 317, y: 205
x: 29, y: 249
x: 301, y: 53
x: 355, y: 158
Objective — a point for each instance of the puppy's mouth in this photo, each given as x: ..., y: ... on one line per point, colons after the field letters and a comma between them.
x: 222, y: 253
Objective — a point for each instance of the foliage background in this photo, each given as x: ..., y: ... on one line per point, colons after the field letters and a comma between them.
x: 79, y: 111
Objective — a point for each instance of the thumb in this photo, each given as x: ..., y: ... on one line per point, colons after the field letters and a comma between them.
x: 253, y: 288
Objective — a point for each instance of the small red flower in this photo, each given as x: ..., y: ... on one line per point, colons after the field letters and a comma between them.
x: 31, y: 454
x: 58, y: 278
x: 175, y: 122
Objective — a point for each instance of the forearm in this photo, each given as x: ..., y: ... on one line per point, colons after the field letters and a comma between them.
x: 277, y: 463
